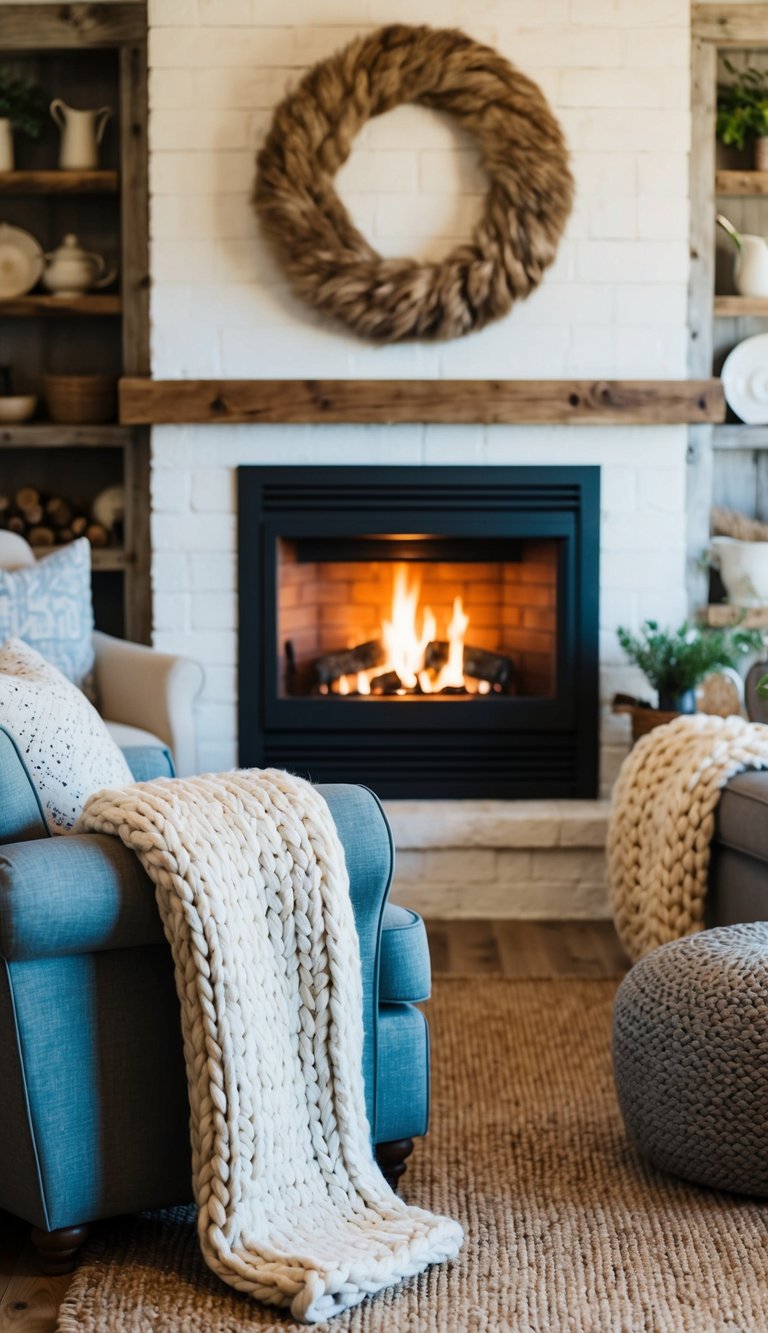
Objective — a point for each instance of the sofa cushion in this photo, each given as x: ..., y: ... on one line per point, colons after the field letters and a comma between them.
x: 67, y: 750
x: 48, y: 605
x: 402, y: 1083
x: 149, y: 761
x: 742, y: 815
x: 404, y: 971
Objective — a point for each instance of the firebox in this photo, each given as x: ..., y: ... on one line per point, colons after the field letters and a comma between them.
x: 430, y: 632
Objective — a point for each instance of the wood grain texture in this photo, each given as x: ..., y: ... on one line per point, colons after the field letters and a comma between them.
x: 54, y: 307
x: 736, y: 307
x: 748, y: 183
x: 526, y: 949
x: 58, y: 182
x: 731, y: 25
x: 576, y: 402
x: 67, y: 26
x: 48, y: 436
x: 721, y: 614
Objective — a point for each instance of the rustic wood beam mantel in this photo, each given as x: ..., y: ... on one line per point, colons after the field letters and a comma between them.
x: 460, y: 402
x: 730, y: 25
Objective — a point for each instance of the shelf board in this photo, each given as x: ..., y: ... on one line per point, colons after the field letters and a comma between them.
x: 103, y: 558
x: 59, y: 182
x: 721, y: 615
x: 737, y: 435
x: 52, y: 307
x: 736, y: 307
x: 47, y: 435
x: 577, y: 402
x: 749, y: 183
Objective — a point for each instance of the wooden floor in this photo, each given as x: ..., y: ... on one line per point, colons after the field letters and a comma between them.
x: 29, y: 1302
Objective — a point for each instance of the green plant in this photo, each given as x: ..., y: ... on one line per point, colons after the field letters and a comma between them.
x: 674, y: 661
x: 742, y: 106
x: 23, y: 103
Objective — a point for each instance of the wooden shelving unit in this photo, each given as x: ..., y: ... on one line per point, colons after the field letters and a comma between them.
x: 45, y: 435
x: 728, y: 463
x: 59, y: 182
x: 721, y: 615
x: 104, y: 559
x: 737, y: 436
x: 747, y: 184
x: 37, y: 306
x: 739, y: 307
x: 94, y: 55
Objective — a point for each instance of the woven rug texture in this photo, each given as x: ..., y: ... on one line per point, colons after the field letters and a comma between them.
x: 567, y: 1230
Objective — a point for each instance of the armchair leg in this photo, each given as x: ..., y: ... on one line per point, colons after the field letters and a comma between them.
x: 57, y: 1250
x: 392, y: 1157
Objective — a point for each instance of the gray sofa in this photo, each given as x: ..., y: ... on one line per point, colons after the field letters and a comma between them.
x: 738, y: 879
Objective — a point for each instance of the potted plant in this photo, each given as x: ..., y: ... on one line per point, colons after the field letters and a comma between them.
x: 675, y: 661
x: 742, y: 112
x: 23, y: 105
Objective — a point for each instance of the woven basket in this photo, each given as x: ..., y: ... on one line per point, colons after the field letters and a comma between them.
x: 77, y: 400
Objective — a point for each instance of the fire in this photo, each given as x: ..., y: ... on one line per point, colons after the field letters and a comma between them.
x: 405, y: 645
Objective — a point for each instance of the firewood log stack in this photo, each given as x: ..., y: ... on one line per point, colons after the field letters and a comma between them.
x: 50, y: 520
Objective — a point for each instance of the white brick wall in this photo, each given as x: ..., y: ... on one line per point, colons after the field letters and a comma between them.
x: 613, y: 304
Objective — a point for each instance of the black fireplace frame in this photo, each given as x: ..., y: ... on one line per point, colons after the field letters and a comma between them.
x: 499, y: 746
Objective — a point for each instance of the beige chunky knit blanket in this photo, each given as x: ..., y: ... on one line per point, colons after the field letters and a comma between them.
x: 252, y: 888
x: 663, y: 820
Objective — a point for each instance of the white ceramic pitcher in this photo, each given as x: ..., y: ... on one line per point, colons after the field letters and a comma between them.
x: 81, y: 134
x: 750, y: 271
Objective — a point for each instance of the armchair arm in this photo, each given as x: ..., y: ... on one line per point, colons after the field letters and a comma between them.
x: 75, y: 895
x: 369, y: 853
x: 155, y: 691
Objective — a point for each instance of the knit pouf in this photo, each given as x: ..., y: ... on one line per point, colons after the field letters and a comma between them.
x: 690, y: 1056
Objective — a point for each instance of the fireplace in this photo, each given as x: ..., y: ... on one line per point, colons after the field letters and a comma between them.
x: 431, y: 632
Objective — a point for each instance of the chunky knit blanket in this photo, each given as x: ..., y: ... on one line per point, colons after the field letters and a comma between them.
x: 253, y: 891
x: 663, y: 820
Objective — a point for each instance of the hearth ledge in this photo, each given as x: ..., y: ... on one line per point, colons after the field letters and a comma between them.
x: 503, y: 859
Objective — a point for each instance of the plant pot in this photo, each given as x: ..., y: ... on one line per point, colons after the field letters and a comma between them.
x: 743, y: 567
x: 761, y: 153
x: 77, y: 400
x: 647, y: 719
x: 6, y: 144
x: 677, y: 703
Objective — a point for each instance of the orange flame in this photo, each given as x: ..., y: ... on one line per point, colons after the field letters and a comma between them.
x: 406, y: 643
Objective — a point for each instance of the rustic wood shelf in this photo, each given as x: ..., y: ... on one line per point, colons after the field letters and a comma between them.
x: 748, y: 183
x: 721, y: 615
x: 59, y: 182
x: 54, y: 307
x: 104, y: 559
x: 559, y: 402
x: 737, y: 435
x: 735, y: 307
x: 47, y: 435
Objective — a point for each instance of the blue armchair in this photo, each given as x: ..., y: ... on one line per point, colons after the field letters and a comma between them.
x: 93, y: 1101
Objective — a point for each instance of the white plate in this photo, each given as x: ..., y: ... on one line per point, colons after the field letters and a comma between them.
x: 745, y: 380
x: 21, y: 262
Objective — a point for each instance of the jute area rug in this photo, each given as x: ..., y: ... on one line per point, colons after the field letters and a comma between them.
x: 567, y: 1231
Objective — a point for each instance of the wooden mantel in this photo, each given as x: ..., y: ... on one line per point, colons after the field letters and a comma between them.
x: 460, y: 402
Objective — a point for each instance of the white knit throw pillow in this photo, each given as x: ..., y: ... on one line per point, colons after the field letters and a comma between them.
x: 67, y: 749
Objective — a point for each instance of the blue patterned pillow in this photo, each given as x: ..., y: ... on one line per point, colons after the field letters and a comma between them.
x: 49, y: 606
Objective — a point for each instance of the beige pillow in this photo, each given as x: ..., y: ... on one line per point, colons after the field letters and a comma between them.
x: 67, y: 749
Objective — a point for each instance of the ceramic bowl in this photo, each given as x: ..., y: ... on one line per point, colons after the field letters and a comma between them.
x: 17, y: 407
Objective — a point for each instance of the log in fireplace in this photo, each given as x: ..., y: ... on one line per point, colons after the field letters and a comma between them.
x: 431, y: 632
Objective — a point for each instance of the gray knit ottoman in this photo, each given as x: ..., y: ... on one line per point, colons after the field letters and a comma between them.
x: 690, y: 1055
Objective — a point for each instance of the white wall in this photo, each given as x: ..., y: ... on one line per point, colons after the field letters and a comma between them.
x: 613, y: 305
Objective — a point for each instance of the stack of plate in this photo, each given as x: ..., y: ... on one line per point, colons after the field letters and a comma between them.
x: 745, y: 380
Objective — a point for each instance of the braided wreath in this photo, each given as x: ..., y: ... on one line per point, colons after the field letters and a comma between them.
x: 333, y: 267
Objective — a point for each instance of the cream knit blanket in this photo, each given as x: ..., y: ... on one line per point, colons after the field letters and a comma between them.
x: 253, y: 892
x: 663, y: 820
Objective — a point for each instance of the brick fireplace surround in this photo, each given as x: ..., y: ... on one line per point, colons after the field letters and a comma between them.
x: 613, y: 305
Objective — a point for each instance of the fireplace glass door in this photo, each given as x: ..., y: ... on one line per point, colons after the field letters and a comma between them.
x: 426, y: 631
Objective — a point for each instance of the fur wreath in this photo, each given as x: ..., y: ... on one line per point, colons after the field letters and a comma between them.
x: 332, y: 266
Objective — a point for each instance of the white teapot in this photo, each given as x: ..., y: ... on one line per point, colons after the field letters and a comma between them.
x: 70, y: 270
x: 750, y: 265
